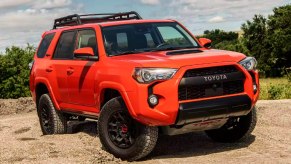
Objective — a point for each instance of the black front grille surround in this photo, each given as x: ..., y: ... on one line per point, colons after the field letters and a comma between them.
x: 209, y: 82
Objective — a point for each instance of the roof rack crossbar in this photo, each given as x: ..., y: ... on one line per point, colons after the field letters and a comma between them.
x: 72, y: 20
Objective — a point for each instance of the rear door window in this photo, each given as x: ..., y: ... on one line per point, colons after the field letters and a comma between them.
x: 66, y: 46
x: 44, y: 45
x: 87, y: 38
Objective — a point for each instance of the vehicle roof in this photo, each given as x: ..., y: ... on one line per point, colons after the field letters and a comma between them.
x: 111, y: 23
x: 115, y: 23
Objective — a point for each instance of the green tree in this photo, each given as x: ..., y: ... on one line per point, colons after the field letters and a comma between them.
x: 14, y: 72
x: 234, y: 45
x: 255, y: 40
x: 218, y: 36
x: 269, y: 40
x: 279, y: 37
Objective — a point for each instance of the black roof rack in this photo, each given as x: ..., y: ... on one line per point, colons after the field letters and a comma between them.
x: 72, y: 20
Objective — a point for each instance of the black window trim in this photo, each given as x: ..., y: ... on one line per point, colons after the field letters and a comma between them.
x: 75, y: 42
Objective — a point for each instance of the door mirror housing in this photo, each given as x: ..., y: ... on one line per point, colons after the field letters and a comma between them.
x: 85, y: 53
x: 205, y: 42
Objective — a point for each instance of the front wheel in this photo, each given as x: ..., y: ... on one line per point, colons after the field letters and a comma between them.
x: 121, y: 135
x: 235, y: 129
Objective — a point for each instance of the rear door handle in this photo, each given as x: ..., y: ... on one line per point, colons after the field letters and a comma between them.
x: 70, y: 71
x: 49, y: 69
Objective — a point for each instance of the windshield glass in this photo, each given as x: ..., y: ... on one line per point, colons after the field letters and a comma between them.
x: 137, y: 38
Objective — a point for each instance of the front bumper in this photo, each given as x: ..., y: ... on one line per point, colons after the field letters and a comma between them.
x: 191, y: 112
x: 171, y: 110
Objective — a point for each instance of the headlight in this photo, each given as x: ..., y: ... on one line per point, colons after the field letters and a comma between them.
x: 249, y: 63
x: 148, y: 75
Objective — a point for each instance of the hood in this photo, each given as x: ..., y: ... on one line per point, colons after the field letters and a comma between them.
x: 161, y: 59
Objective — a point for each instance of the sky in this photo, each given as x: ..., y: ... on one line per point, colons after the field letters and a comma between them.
x: 24, y: 21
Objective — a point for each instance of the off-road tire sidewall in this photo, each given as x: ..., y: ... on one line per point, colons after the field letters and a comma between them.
x: 58, y: 120
x: 144, y: 143
x: 243, y: 132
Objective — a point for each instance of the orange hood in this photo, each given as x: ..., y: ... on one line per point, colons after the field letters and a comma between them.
x: 161, y: 59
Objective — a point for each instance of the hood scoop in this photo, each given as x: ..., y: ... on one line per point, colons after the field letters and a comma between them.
x: 181, y: 52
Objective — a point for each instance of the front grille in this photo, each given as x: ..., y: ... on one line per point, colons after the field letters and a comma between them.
x: 209, y: 71
x: 233, y: 87
x: 203, y: 89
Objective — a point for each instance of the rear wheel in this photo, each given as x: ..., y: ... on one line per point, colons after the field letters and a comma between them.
x: 235, y: 129
x: 121, y: 135
x: 51, y: 120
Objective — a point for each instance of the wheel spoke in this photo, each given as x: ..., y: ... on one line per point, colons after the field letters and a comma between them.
x: 45, y: 122
x: 120, y: 129
x: 121, y: 117
x: 130, y: 139
x: 112, y: 124
x: 112, y: 130
x: 119, y: 138
x: 45, y: 119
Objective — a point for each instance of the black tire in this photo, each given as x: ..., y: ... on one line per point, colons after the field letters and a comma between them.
x: 235, y: 129
x: 115, y: 123
x: 51, y: 120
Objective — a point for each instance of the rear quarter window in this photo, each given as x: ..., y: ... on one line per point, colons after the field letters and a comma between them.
x: 44, y: 45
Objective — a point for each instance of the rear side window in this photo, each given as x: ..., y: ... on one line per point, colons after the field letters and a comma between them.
x: 44, y: 45
x: 66, y: 46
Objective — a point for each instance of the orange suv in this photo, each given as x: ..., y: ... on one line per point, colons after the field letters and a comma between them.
x: 140, y: 78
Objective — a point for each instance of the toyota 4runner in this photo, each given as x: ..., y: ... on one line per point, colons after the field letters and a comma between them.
x: 140, y: 78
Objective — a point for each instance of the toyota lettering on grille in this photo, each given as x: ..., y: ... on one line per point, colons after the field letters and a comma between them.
x: 215, y: 78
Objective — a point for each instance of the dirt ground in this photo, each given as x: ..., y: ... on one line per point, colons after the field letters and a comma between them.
x: 21, y: 140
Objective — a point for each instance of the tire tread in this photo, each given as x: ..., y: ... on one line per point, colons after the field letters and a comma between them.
x: 146, y: 143
x: 59, y: 120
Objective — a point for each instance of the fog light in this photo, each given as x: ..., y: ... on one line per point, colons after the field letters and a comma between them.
x: 153, y: 100
x: 255, y: 88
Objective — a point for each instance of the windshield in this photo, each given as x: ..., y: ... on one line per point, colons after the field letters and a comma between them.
x: 137, y: 38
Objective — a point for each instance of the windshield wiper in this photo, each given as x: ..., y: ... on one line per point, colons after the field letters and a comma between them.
x: 187, y: 47
x: 164, y: 49
x: 126, y: 53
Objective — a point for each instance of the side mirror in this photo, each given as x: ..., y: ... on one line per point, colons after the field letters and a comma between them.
x: 85, y: 53
x: 205, y: 42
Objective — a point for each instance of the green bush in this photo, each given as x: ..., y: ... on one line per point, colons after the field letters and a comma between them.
x: 288, y: 74
x: 275, y: 88
x: 14, y: 72
x: 275, y: 92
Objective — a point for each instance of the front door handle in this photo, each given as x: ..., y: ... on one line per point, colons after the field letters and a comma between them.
x: 49, y: 69
x: 70, y: 71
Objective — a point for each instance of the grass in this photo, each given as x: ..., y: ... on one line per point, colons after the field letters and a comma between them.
x: 275, y: 88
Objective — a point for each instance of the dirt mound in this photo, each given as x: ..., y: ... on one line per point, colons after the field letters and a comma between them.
x: 15, y: 106
x: 21, y: 140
